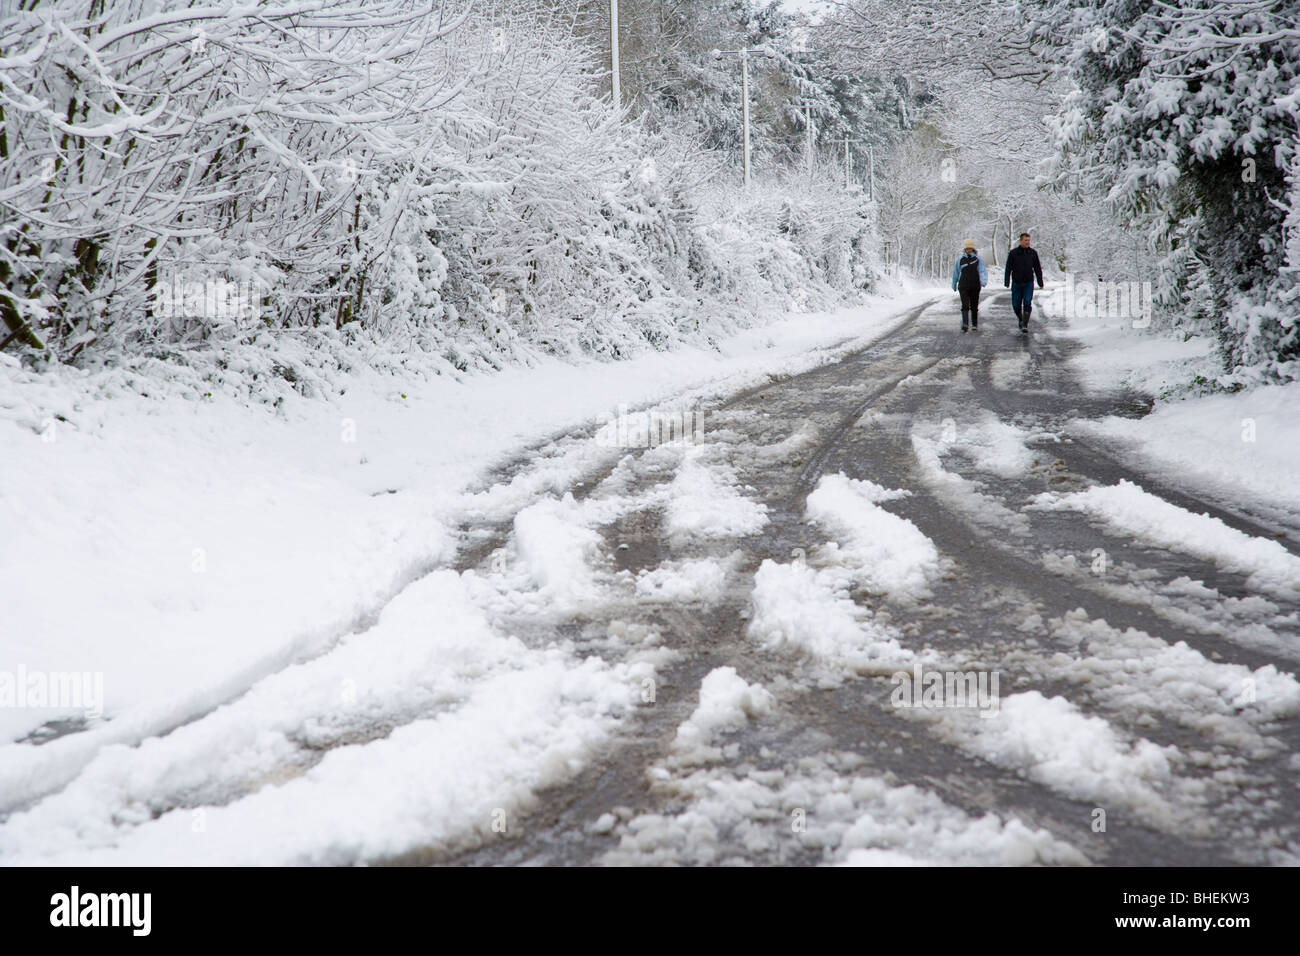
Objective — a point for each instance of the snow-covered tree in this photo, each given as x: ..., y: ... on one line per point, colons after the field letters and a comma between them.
x: 141, y: 139
x: 448, y: 174
x: 1187, y: 115
x: 969, y: 167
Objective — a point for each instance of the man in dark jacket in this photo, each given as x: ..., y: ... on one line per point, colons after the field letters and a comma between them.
x: 1022, y: 269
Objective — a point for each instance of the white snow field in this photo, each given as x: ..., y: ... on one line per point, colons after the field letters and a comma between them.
x: 1238, y: 446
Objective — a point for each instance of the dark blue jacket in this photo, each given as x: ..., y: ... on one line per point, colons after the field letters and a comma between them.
x: 1023, y: 266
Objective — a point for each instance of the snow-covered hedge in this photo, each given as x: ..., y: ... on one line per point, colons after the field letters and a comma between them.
x: 178, y: 180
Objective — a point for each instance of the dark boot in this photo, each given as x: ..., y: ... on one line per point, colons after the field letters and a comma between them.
x: 1024, y: 320
x: 974, y: 320
x: 965, y: 319
x: 1020, y: 319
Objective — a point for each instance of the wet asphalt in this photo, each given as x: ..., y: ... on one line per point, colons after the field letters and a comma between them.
x: 859, y: 414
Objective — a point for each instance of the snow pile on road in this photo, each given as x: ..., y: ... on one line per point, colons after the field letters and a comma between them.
x: 1127, y: 509
x: 1134, y: 675
x: 684, y: 581
x: 996, y: 447
x: 1249, y: 620
x: 726, y: 703
x: 930, y: 442
x: 705, y: 502
x: 558, y: 551
x: 797, y: 606
x: 1053, y: 743
x: 824, y: 810
x: 791, y: 449
x: 479, y: 723
x: 886, y: 553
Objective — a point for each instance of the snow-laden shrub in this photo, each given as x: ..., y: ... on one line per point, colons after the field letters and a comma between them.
x: 176, y: 180
x: 791, y: 242
x: 1188, y: 117
x: 153, y: 146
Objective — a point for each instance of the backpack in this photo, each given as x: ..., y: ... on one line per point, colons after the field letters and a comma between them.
x: 970, y: 273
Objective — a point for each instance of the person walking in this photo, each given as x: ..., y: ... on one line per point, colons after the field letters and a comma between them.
x: 1022, y: 268
x: 969, y: 276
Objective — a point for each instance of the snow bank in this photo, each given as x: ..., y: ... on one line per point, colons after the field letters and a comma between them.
x: 1237, y: 446
x: 483, y: 721
x: 1234, y: 445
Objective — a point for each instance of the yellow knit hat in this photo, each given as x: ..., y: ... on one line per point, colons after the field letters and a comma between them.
x: 968, y: 244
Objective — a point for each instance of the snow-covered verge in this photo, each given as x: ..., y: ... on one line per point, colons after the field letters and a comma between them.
x: 1235, y: 445
x: 479, y: 722
x: 191, y: 554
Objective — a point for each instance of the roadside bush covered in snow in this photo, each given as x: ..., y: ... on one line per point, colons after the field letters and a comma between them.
x: 1188, y: 116
x: 179, y: 181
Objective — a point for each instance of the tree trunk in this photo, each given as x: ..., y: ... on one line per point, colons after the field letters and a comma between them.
x: 18, y: 328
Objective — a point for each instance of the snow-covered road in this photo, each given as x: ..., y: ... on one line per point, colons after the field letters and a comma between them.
x: 918, y: 509
x: 891, y: 609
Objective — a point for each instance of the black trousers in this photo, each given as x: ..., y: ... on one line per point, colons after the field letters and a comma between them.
x: 970, y: 307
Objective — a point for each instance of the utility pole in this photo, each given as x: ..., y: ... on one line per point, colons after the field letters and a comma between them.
x: 848, y: 162
x: 613, y: 51
x: 744, y: 112
x: 744, y: 90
